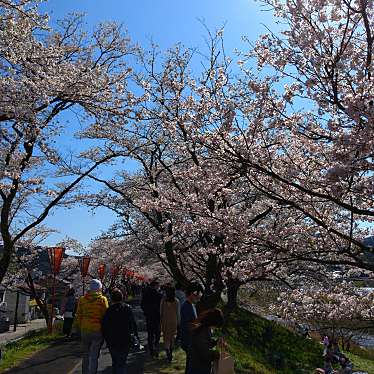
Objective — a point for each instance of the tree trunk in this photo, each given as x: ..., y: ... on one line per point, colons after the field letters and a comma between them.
x: 232, y: 294
x: 6, y: 258
x: 41, y: 304
x: 209, y: 301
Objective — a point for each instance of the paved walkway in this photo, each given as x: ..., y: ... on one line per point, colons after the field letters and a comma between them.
x: 135, y: 361
x: 64, y: 357
x: 22, y: 329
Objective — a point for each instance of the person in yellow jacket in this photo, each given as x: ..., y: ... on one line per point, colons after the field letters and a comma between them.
x: 90, y: 312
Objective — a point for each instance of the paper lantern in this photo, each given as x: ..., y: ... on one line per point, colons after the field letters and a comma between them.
x: 55, y: 255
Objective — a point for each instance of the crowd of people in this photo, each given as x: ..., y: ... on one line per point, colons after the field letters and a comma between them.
x: 172, y: 311
x: 332, y: 355
x: 168, y: 310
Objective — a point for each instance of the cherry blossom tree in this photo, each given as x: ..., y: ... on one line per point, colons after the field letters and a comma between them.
x: 44, y: 73
x: 303, y: 125
x: 125, y: 262
x: 239, y: 179
x: 339, y: 311
x: 192, y: 211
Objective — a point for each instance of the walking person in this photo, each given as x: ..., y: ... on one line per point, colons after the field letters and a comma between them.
x: 201, y: 352
x: 169, y: 317
x: 90, y: 313
x: 188, y: 315
x: 118, y: 328
x: 150, y: 305
x: 68, y: 311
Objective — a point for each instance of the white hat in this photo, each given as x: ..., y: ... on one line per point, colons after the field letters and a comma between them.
x: 95, y: 285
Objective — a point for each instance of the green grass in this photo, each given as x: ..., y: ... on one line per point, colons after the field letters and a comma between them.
x: 161, y: 366
x: 16, y: 352
x: 260, y: 346
x: 363, y: 359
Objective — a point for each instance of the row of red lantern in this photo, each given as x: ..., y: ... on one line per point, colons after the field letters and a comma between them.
x: 132, y: 274
x: 85, y: 263
x: 115, y: 271
x: 56, y: 254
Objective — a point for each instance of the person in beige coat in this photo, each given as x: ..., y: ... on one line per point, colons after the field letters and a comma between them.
x: 169, y: 317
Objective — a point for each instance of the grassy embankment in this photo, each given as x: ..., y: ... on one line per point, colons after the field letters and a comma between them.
x: 15, y: 352
x: 260, y: 346
x: 363, y: 359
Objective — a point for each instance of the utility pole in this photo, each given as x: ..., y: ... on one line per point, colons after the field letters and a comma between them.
x: 16, y: 313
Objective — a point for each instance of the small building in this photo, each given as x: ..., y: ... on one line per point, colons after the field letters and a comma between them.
x: 8, y: 301
x: 10, y: 298
x: 27, y: 309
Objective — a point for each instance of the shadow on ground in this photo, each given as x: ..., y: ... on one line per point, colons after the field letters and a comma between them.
x: 53, y: 359
x: 161, y: 366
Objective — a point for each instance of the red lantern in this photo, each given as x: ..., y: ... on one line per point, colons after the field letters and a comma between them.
x: 55, y: 255
x: 101, y: 271
x: 124, y: 273
x: 84, y: 263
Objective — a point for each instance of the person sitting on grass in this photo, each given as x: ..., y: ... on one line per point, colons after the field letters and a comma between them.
x: 327, y: 367
x: 334, y: 350
x: 346, y: 365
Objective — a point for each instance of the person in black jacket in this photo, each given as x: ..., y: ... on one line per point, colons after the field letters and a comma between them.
x: 150, y: 305
x: 201, y: 353
x: 117, y: 327
x: 188, y: 315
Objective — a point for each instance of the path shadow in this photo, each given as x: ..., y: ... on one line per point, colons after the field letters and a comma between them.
x: 162, y: 366
x: 56, y: 359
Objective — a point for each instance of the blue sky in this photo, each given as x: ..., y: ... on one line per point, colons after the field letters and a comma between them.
x: 166, y: 22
